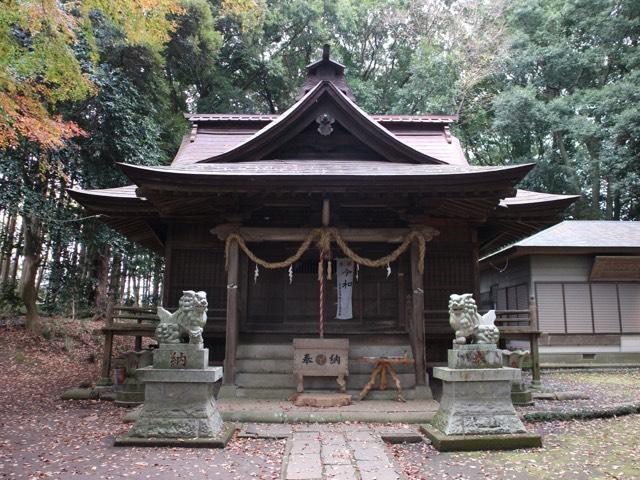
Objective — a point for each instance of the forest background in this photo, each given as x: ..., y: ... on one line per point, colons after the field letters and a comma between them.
x: 88, y: 83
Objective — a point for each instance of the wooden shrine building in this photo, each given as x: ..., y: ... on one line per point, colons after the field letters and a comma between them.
x: 324, y: 178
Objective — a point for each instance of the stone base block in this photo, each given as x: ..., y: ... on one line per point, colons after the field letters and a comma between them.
x: 178, y: 404
x: 79, y: 394
x: 477, y: 402
x: 522, y: 398
x: 322, y: 400
x: 180, y: 355
x: 131, y: 397
x: 457, y: 443
x: 218, y: 441
x: 474, y: 356
x: 156, y: 375
x: 460, y: 375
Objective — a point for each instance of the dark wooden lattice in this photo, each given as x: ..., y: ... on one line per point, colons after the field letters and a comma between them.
x: 200, y: 269
x: 274, y: 304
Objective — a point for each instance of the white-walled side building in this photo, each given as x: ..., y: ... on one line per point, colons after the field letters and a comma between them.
x: 585, y: 277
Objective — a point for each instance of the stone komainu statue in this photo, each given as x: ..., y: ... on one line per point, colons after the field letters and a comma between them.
x: 468, y: 324
x: 185, y: 324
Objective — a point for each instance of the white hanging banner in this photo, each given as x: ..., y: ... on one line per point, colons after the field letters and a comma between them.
x: 344, y: 279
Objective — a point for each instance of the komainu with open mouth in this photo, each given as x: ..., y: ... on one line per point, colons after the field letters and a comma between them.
x: 185, y: 325
x: 469, y: 325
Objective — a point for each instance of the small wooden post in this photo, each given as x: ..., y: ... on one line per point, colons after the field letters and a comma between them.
x: 535, y: 353
x: 231, y: 344
x: 417, y: 287
x: 108, y: 346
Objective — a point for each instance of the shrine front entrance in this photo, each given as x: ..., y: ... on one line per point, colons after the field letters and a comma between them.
x: 288, y: 300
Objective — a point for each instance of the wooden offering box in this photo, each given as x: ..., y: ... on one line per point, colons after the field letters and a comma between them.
x: 319, y: 357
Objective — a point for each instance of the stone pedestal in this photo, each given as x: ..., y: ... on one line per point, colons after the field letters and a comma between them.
x: 476, y: 412
x: 131, y: 392
x: 520, y: 394
x: 179, y: 407
x: 477, y: 401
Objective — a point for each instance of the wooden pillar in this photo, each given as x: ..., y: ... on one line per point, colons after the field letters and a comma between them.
x: 475, y: 259
x: 417, y: 289
x: 166, y: 280
x: 535, y: 352
x: 231, y: 344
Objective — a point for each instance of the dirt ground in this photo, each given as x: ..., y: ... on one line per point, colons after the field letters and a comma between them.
x: 42, y: 436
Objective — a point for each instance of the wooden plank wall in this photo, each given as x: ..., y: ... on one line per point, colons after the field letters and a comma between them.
x: 450, y: 267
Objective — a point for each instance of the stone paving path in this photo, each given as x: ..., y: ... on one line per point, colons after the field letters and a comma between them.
x: 347, y: 453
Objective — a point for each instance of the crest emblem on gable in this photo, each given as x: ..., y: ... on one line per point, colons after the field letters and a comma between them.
x: 325, y: 122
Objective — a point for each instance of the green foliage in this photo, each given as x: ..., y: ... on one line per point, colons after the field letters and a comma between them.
x: 10, y: 302
x: 567, y: 99
x: 84, y: 86
x: 38, y: 70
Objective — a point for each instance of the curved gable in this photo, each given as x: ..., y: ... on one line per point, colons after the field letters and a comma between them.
x: 325, y: 106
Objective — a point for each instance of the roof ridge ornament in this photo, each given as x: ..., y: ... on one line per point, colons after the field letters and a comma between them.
x: 326, y: 69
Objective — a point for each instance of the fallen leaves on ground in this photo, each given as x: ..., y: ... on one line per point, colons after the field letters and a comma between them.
x: 45, y: 437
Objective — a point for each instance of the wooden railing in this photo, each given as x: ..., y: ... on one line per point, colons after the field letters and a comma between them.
x: 141, y: 322
x: 522, y: 324
x: 125, y: 321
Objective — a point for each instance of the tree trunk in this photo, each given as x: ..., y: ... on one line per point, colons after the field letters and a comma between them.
x: 593, y: 149
x: 43, y: 265
x: 114, y: 281
x: 157, y: 275
x: 13, y: 274
x: 102, y: 277
x: 28, y: 290
x: 7, y: 248
x: 56, y: 272
x: 123, y: 280
x: 567, y: 162
x: 609, y: 200
x: 136, y: 288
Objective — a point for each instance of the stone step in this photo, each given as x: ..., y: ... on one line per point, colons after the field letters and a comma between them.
x: 281, y: 380
x: 285, y: 366
x: 289, y: 393
x: 285, y: 351
x: 263, y: 351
